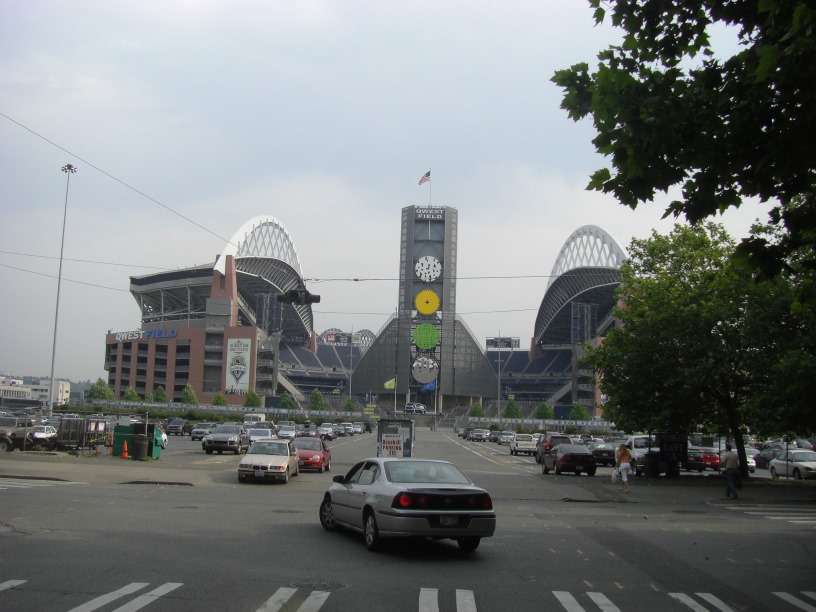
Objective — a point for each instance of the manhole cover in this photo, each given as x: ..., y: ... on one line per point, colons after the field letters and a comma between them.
x: 318, y: 584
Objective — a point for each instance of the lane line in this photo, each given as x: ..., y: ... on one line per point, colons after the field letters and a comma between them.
x: 568, y: 601
x: 278, y: 600
x: 603, y: 602
x: 142, y: 600
x: 685, y: 599
x: 465, y: 601
x: 796, y: 602
x: 428, y: 600
x: 105, y: 599
x: 10, y: 584
x: 714, y: 601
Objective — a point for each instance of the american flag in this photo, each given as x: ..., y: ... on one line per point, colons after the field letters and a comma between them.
x: 425, y: 177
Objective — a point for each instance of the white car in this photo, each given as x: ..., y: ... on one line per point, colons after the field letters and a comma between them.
x: 259, y: 433
x: 44, y: 432
x: 288, y: 432
x: 522, y: 443
x: 269, y: 459
x: 797, y: 463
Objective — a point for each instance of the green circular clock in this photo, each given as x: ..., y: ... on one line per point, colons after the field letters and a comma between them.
x: 426, y: 336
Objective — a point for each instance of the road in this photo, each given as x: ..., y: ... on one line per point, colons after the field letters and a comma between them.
x: 562, y: 542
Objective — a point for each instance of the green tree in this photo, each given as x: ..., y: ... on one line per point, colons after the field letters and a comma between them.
x: 669, y: 113
x: 130, y: 395
x: 316, y: 400
x: 149, y: 397
x: 349, y: 405
x: 100, y: 391
x: 511, y: 410
x: 287, y: 402
x: 252, y: 399
x: 188, y: 395
x: 544, y: 411
x: 477, y: 410
x: 577, y: 413
x: 689, y: 346
x: 160, y: 395
x: 219, y: 399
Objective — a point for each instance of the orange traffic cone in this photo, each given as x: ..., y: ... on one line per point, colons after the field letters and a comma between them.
x: 124, y: 451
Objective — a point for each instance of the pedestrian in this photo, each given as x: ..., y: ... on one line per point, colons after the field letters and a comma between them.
x: 623, y: 462
x: 731, y: 464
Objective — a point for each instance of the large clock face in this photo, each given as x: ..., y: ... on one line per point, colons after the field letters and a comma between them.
x: 424, y: 369
x: 427, y: 302
x: 428, y: 268
x: 426, y: 336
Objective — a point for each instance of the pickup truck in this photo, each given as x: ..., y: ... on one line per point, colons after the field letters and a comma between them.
x: 522, y: 443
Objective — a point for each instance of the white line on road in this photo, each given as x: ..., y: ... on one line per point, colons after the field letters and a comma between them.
x: 685, y: 599
x: 796, y: 601
x: 568, y: 601
x: 465, y: 601
x: 10, y: 584
x: 714, y: 601
x: 428, y: 600
x: 104, y: 600
x: 142, y: 600
x: 278, y: 600
x: 603, y: 602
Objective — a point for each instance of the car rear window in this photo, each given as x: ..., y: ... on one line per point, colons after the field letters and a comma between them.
x: 424, y: 471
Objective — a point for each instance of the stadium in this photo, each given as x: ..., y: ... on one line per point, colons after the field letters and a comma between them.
x: 245, y: 323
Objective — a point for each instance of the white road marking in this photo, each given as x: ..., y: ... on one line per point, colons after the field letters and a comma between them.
x: 10, y: 584
x: 428, y: 600
x: 278, y: 600
x: 685, y: 599
x: 568, y: 601
x: 603, y: 603
x: 142, y: 600
x: 798, y: 602
x: 714, y: 601
x: 465, y: 601
x: 104, y: 600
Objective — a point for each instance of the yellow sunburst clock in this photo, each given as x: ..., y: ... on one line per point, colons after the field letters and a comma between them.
x: 427, y: 302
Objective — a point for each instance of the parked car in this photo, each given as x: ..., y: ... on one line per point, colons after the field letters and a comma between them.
x: 800, y: 464
x: 393, y: 497
x: 478, y: 435
x: 414, y: 408
x: 43, y: 432
x: 694, y: 459
x: 493, y: 435
x: 179, y: 427
x: 269, y: 459
x: 287, y: 432
x: 569, y: 458
x: 226, y: 438
x: 313, y: 454
x: 349, y: 428
x: 358, y: 428
x: 257, y: 433
x: 339, y: 430
x: 603, y: 451
x: 710, y: 458
x: 522, y: 443
x: 763, y: 459
x: 307, y: 431
x: 547, y: 442
x: 505, y: 437
x: 202, y: 429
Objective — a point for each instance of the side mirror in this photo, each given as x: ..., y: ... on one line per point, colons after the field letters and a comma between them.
x: 339, y: 478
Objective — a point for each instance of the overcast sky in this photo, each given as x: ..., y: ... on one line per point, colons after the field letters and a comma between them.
x: 187, y: 118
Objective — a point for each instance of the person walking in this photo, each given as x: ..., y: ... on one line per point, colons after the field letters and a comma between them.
x: 623, y: 462
x: 731, y: 465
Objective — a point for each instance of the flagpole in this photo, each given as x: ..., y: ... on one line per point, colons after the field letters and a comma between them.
x: 430, y: 188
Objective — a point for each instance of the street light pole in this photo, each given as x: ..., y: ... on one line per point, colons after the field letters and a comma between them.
x: 69, y: 170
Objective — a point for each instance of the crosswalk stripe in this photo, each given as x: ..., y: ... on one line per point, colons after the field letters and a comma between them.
x: 465, y: 601
x: 428, y: 600
x: 10, y: 584
x: 714, y: 601
x: 796, y: 602
x: 314, y: 601
x: 603, y: 602
x: 685, y: 599
x: 278, y: 600
x: 103, y: 600
x: 568, y: 601
x: 142, y: 600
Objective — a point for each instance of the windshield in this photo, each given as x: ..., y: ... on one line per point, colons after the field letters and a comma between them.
x: 425, y: 471
x: 227, y: 429
x: 288, y: 428
x: 258, y: 432
x: 308, y: 444
x: 269, y: 448
x: 642, y: 443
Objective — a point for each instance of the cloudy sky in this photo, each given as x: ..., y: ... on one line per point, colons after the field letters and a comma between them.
x: 186, y: 118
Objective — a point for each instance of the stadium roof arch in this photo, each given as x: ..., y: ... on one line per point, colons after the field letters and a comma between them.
x: 266, y: 264
x: 586, y: 271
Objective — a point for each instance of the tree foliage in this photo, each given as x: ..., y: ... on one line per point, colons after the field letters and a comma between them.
x: 316, y: 400
x: 286, y: 402
x: 100, y: 391
x: 252, y: 399
x: 544, y: 412
x: 477, y: 410
x: 511, y: 410
x: 670, y: 113
x: 219, y: 399
x: 130, y: 395
x: 188, y: 395
x: 160, y: 395
x: 349, y: 405
x: 578, y: 413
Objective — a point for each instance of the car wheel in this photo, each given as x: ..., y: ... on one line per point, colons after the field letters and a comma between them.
x: 220, y: 452
x: 238, y: 450
x: 470, y: 543
x: 538, y: 459
x: 544, y: 468
x: 797, y: 475
x: 208, y: 451
x: 327, y: 515
x: 371, y: 532
x: 590, y: 472
x: 297, y: 470
x: 241, y: 478
x: 6, y: 446
x: 328, y: 465
x: 286, y: 477
x: 322, y: 468
x: 773, y: 472
x: 556, y: 468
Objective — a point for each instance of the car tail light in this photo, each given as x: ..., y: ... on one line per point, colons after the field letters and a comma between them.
x: 411, y: 500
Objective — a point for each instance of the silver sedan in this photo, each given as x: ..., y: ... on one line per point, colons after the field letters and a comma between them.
x: 391, y: 497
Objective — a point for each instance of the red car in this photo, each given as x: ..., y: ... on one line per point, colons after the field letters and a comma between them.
x: 710, y: 458
x: 569, y: 458
x: 313, y: 454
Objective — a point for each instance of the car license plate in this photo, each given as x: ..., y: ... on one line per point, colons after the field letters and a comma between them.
x: 259, y: 473
x: 449, y: 521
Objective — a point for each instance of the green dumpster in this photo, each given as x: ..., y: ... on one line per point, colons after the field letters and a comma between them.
x: 122, y: 434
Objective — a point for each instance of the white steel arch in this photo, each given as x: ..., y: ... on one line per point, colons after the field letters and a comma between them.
x: 587, y: 247
x: 262, y: 236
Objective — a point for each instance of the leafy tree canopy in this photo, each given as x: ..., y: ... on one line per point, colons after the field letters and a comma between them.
x: 219, y: 399
x: 544, y: 411
x: 100, y: 391
x: 577, y: 413
x: 160, y: 395
x: 130, y: 395
x: 188, y: 395
x: 287, y: 402
x: 670, y: 113
x: 316, y: 400
x: 252, y: 399
x: 349, y: 405
x: 511, y: 410
x: 476, y: 411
